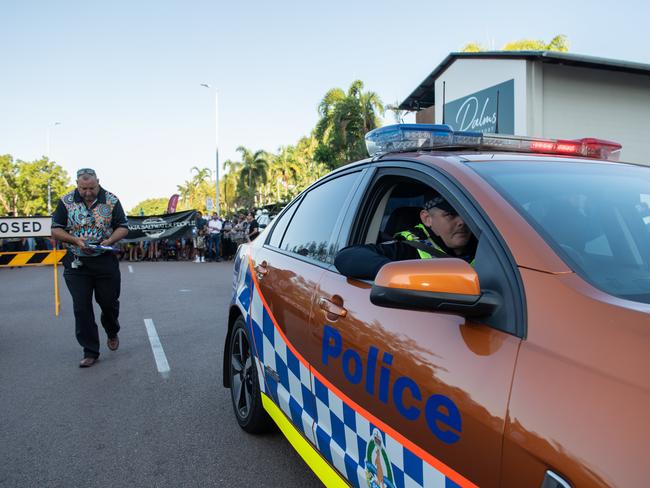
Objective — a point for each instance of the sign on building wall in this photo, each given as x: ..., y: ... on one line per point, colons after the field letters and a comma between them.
x: 478, y: 111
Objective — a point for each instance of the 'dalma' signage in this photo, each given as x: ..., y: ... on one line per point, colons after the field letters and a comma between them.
x: 478, y: 111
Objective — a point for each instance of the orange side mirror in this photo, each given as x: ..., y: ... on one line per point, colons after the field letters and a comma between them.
x: 436, y: 285
x: 443, y: 275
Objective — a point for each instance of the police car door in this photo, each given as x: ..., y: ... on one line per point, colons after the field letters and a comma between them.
x: 403, y: 397
x: 287, y: 268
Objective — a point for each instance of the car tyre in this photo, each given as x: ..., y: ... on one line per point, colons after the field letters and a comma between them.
x: 244, y: 383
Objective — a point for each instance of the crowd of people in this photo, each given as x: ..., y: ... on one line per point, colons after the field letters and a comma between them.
x: 18, y: 244
x: 212, y: 239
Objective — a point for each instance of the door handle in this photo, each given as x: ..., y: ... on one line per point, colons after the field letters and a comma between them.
x: 262, y: 270
x: 332, y: 308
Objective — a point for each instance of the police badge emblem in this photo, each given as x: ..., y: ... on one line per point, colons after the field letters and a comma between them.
x: 379, y: 473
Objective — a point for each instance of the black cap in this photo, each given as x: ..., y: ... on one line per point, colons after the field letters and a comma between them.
x: 439, y: 202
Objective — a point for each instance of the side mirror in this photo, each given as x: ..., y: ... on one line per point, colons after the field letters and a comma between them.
x: 441, y: 285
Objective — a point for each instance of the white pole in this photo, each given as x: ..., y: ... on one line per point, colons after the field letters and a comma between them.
x: 216, y: 142
x: 216, y: 149
x: 47, y: 154
x: 49, y: 186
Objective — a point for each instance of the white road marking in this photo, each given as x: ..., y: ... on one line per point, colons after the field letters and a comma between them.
x: 130, y: 269
x: 184, y: 290
x: 157, y: 349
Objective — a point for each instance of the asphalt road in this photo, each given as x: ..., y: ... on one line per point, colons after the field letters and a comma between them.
x: 121, y: 423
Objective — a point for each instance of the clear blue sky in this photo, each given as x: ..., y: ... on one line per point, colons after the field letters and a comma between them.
x: 123, y: 77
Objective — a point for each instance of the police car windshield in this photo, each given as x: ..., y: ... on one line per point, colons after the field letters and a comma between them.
x: 596, y: 217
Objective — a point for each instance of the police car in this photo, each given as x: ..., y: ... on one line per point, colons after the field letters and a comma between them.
x: 528, y: 367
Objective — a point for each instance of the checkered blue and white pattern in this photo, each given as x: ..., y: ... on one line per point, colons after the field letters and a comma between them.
x: 282, y: 376
x: 340, y: 433
x: 343, y: 435
x: 243, y: 302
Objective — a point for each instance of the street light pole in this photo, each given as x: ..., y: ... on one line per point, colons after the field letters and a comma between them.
x: 216, y: 139
x: 49, y: 177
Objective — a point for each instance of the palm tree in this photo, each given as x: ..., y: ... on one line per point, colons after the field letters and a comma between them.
x: 185, y: 192
x: 202, y: 174
x: 232, y: 166
x: 345, y: 120
x: 228, y: 190
x: 285, y: 168
x: 229, y: 183
x: 254, y: 168
x: 326, y: 109
x: 371, y: 105
x: 398, y: 113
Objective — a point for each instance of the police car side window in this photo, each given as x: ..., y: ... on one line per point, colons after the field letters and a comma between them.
x: 280, y: 226
x: 313, y: 222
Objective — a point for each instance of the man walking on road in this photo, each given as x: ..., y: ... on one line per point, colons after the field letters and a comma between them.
x: 89, y: 216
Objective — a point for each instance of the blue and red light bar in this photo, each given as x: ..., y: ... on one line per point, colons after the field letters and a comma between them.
x: 421, y: 137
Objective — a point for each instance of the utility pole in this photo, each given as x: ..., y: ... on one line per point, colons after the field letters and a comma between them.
x: 216, y: 139
x: 49, y: 177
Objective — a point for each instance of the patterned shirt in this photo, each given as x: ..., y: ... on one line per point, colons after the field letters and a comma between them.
x: 95, y: 224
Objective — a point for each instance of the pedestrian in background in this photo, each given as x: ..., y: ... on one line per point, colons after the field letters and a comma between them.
x: 215, y: 226
x: 199, y: 238
x: 91, y: 215
x: 228, y: 247
x: 253, y: 228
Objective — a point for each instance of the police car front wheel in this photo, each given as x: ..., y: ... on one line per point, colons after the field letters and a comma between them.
x: 244, y: 383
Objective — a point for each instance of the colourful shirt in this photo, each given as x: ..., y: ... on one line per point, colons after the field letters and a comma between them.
x: 95, y: 224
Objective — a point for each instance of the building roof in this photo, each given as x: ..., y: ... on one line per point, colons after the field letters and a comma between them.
x: 424, y: 95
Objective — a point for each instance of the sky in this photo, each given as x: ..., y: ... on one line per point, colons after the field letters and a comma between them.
x: 122, y: 78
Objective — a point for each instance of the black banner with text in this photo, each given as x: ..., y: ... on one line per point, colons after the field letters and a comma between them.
x: 167, y: 226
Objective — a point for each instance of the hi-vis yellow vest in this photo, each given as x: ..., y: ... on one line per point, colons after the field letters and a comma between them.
x: 410, y: 236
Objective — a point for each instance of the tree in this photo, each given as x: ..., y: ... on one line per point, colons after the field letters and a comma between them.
x: 398, y: 113
x: 253, y: 171
x: 229, y: 186
x: 150, y: 206
x: 284, y: 172
x: 558, y: 43
x: 202, y: 175
x: 371, y: 105
x: 186, y: 194
x: 231, y: 166
x: 345, y: 118
x: 472, y: 47
x: 8, y: 184
x: 24, y: 186
x: 228, y: 190
x: 306, y: 154
x: 194, y: 192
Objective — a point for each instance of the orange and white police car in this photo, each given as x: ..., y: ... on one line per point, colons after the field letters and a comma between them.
x: 520, y: 358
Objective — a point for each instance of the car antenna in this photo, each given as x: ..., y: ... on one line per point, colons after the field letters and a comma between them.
x: 443, y: 102
x: 496, y: 129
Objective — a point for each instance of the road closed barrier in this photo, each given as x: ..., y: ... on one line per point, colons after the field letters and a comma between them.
x: 31, y: 258
x: 36, y: 258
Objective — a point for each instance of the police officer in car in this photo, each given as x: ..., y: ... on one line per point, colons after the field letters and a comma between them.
x: 89, y: 216
x: 441, y: 233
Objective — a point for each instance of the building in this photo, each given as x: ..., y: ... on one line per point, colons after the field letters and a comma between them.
x: 540, y: 94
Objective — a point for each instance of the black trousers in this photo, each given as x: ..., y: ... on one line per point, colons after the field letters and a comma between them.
x: 99, y: 275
